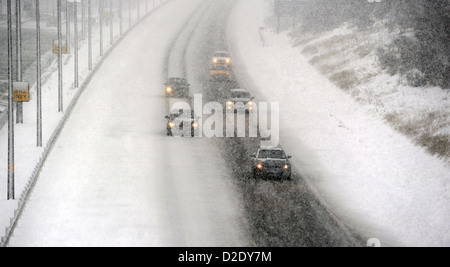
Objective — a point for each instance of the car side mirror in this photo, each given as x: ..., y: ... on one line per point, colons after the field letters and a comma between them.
x: 253, y: 98
x: 254, y: 155
x: 167, y: 117
x: 289, y: 157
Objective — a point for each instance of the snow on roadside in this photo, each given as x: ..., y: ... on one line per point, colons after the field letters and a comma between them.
x: 374, y: 178
x: 26, y: 153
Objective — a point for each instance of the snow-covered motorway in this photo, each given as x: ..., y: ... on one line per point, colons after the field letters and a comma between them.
x: 115, y: 179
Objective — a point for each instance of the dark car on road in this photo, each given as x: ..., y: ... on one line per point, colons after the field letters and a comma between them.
x: 177, y: 87
x: 240, y: 100
x: 177, y: 122
x: 271, y: 163
x: 220, y: 73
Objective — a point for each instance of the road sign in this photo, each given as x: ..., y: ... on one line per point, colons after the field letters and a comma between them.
x: 55, y: 47
x: 21, y: 92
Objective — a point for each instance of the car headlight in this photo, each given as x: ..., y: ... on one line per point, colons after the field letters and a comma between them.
x: 169, y: 89
x: 171, y: 124
x: 195, y: 125
x: 286, y: 167
x: 259, y: 166
x: 228, y: 61
x: 215, y: 60
x: 250, y: 103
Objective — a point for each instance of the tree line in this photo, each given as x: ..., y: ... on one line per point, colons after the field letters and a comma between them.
x: 421, y: 50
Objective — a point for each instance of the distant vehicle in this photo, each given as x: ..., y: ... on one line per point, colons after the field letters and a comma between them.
x: 221, y: 58
x: 177, y: 87
x: 240, y: 99
x: 183, y: 120
x: 220, y: 72
x: 271, y: 163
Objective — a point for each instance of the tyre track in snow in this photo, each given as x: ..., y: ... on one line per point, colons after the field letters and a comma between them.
x: 176, y: 66
x: 278, y: 213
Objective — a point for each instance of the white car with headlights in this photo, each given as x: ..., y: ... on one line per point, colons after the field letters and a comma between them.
x: 240, y: 100
x: 221, y: 57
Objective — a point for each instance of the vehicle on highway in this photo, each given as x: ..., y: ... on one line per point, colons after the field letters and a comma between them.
x: 178, y: 120
x: 177, y: 87
x: 221, y: 57
x: 220, y: 72
x: 240, y: 100
x: 271, y: 162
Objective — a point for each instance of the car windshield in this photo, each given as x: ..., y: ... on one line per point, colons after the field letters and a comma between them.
x: 240, y: 94
x: 221, y: 54
x: 272, y: 154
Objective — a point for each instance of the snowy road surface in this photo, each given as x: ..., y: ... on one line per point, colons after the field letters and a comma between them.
x: 115, y: 179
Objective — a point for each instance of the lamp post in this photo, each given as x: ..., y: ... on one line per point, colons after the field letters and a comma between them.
x: 67, y: 26
x: 101, y: 26
x: 10, y: 193
x: 60, y: 75
x: 120, y: 17
x: 75, y: 22
x: 111, y: 25
x: 38, y: 76
x: 19, y: 105
x: 90, y: 34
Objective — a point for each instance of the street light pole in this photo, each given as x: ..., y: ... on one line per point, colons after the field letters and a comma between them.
x: 120, y: 17
x: 75, y: 22
x: 19, y: 105
x: 90, y: 33
x: 19, y: 39
x: 111, y: 25
x: 38, y: 75
x: 101, y: 27
x: 60, y: 75
x: 10, y: 108
x: 67, y: 26
x: 83, y: 18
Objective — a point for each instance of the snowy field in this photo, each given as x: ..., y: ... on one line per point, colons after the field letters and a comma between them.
x: 374, y: 178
